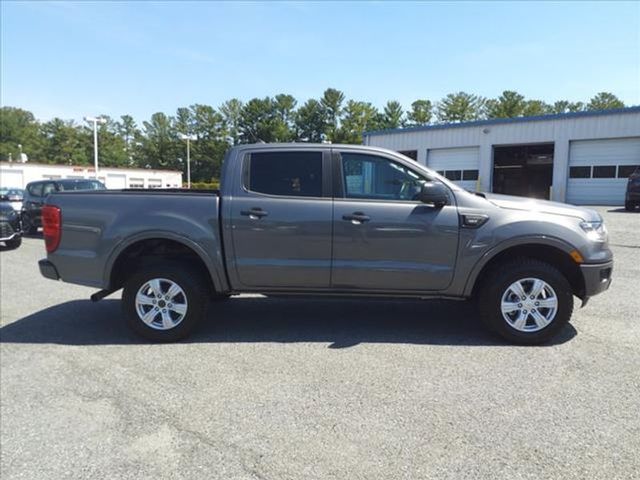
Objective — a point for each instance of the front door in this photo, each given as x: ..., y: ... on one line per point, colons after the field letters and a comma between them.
x: 384, y: 238
x: 281, y: 220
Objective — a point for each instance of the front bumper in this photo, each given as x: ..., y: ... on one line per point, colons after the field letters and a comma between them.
x: 9, y: 230
x: 597, y: 278
x: 48, y: 269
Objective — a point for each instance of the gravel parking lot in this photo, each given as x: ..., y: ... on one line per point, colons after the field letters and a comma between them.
x: 289, y: 389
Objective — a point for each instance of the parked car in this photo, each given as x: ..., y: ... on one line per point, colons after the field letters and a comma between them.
x: 632, y: 196
x: 37, y: 192
x: 310, y: 219
x: 12, y: 196
x: 10, y: 232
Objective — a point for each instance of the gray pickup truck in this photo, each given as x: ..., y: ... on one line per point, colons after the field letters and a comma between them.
x: 323, y: 219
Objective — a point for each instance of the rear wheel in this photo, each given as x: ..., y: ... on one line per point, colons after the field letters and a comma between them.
x: 526, y: 301
x: 165, y: 302
x: 629, y: 206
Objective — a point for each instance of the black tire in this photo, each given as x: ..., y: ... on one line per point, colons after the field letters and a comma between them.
x: 192, y: 283
x: 497, y: 282
x: 14, y: 243
x: 629, y: 206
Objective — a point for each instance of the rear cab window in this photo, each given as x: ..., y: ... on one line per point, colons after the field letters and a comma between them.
x: 285, y: 173
x: 35, y: 189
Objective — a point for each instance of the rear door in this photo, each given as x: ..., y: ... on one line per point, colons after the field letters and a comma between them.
x: 281, y: 220
x: 384, y: 237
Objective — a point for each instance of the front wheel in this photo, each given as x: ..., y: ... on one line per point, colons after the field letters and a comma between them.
x: 165, y: 302
x: 526, y: 301
x: 629, y: 206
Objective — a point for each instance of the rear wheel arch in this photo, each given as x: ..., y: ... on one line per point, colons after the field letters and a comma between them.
x: 556, y: 255
x: 146, y: 250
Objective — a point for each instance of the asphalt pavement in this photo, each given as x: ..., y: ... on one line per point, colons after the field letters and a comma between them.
x: 273, y: 388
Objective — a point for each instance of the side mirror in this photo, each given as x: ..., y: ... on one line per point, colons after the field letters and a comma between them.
x: 435, y: 193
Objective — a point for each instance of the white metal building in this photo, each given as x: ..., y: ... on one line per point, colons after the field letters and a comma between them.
x: 17, y: 175
x: 581, y: 158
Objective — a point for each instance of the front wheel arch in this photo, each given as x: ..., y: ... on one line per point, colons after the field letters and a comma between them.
x: 554, y: 255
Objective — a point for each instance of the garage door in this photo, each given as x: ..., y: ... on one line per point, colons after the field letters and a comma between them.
x: 598, y: 170
x: 457, y: 164
x: 11, y: 178
x: 116, y: 181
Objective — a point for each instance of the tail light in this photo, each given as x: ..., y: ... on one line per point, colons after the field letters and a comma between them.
x: 51, y: 227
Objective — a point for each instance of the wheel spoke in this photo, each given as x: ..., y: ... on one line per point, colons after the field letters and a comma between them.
x: 521, y: 321
x: 142, y: 299
x: 551, y: 302
x: 149, y: 316
x: 536, y: 288
x: 179, y: 308
x: 167, y: 322
x: 518, y: 290
x: 156, y: 287
x: 174, y: 290
x: 509, y: 307
x: 541, y: 320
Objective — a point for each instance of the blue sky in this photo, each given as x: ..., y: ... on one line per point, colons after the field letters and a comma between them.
x: 73, y: 59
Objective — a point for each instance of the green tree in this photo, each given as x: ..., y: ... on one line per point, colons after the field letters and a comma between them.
x: 393, y: 115
x: 460, y: 107
x: 564, y: 106
x: 605, y: 101
x: 208, y: 150
x: 160, y: 145
x: 19, y: 127
x: 128, y: 131
x: 534, y: 108
x: 358, y: 117
x: 331, y: 102
x: 66, y: 144
x: 311, y: 121
x: 420, y: 113
x: 231, y: 111
x: 508, y: 105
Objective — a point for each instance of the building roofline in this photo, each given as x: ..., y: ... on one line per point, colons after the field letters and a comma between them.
x: 499, y: 121
x: 86, y: 167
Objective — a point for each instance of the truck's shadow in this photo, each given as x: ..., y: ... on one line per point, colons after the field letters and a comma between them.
x: 342, y: 323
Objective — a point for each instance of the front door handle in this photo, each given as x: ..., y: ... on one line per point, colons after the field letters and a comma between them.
x: 254, y: 213
x: 356, y: 218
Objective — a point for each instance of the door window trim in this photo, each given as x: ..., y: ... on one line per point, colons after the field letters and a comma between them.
x: 327, y: 190
x: 338, y: 178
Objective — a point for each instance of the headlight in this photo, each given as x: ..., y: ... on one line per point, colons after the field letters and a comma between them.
x: 596, y: 231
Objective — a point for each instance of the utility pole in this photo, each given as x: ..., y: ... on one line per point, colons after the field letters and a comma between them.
x: 95, y: 121
x: 188, y: 138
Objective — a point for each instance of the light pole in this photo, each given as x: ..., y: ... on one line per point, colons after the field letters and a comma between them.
x: 95, y: 121
x: 188, y: 138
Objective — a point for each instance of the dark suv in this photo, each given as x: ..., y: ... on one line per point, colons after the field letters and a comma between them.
x: 36, y: 193
x: 632, y: 197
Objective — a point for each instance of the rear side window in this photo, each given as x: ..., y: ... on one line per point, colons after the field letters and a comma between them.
x: 35, y: 189
x: 88, y: 185
x: 288, y: 174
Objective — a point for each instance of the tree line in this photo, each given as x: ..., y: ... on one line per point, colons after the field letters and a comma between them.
x: 156, y: 143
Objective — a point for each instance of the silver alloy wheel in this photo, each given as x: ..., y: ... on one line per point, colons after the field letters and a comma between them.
x: 161, y: 304
x: 529, y: 305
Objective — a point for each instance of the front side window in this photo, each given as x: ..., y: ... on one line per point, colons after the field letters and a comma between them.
x: 289, y: 174
x: 377, y: 178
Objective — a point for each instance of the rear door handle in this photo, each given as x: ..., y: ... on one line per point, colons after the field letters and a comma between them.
x: 356, y: 217
x: 254, y: 213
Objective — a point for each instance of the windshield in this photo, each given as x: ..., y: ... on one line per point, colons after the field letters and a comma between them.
x: 88, y: 185
x: 11, y: 192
